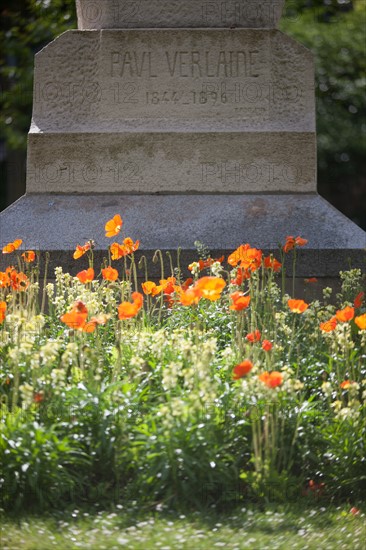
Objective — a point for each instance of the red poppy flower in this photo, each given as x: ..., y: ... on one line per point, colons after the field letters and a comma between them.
x: 329, y: 326
x: 113, y: 226
x: 86, y: 276
x: 18, y: 281
x: 346, y: 314
x: 127, y: 310
x: 359, y: 300
x: 310, y: 281
x: 253, y: 336
x: 3, y: 307
x: 12, y: 247
x: 110, y: 274
x: 240, y: 301
x: 29, y: 256
x: 267, y: 345
x: 248, y: 258
x: 297, y: 306
x: 241, y: 275
x: 242, y: 369
x: 271, y: 379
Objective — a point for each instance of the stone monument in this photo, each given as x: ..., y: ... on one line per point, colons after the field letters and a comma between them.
x: 194, y: 120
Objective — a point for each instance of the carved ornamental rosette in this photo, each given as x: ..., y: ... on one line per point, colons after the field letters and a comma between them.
x: 125, y: 14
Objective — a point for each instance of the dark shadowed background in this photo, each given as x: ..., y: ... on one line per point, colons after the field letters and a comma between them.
x: 335, y: 30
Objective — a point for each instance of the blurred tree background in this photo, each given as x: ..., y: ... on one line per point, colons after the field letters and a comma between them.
x: 335, y: 31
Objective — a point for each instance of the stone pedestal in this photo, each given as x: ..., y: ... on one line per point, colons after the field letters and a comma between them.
x: 193, y: 120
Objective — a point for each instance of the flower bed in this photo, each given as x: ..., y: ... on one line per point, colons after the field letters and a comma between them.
x: 216, y: 389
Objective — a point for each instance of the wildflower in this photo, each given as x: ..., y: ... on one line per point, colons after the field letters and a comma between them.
x: 76, y: 318
x: 359, y: 300
x: 267, y: 345
x: 203, y: 264
x: 151, y: 288
x: 240, y: 301
x: 272, y: 263
x: 241, y: 275
x: 248, y: 258
x: 297, y: 306
x: 113, y: 226
x: 210, y: 287
x: 271, y: 379
x: 190, y: 296
x: 168, y: 286
x: 12, y: 247
x: 38, y: 397
x: 81, y: 250
x: 2, y: 311
x: 18, y: 281
x: 29, y: 256
x: 127, y: 247
x: 110, y: 274
x: 242, y: 369
x: 361, y: 321
x: 126, y: 310
x: 292, y: 243
x: 312, y: 280
x: 253, y: 336
x: 329, y: 326
x: 4, y: 279
x: 346, y: 314
x: 354, y: 511
x: 86, y: 276
x: 345, y: 384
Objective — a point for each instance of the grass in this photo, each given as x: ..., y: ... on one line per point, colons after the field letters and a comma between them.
x: 300, y: 527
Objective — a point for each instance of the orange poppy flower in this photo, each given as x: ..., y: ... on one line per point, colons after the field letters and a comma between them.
x: 118, y: 251
x: 86, y: 276
x: 267, y: 345
x: 297, y: 306
x: 12, y: 247
x: 329, y: 326
x: 346, y: 314
x: 247, y: 257
x: 291, y: 243
x: 253, y: 337
x: 81, y: 250
x: 2, y: 311
x: 211, y: 287
x: 113, y: 226
x: 4, y: 280
x: 110, y: 274
x: 345, y: 384
x: 271, y: 379
x: 29, y: 256
x: 272, y: 263
x: 310, y: 281
x: 240, y: 301
x: 187, y: 283
x: 242, y: 369
x: 151, y: 288
x: 359, y: 300
x: 75, y: 319
x: 126, y: 310
x: 168, y: 286
x: 17, y: 281
x: 190, y: 296
x: 361, y: 321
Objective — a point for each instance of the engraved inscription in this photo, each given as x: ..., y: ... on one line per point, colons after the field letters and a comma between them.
x: 186, y: 64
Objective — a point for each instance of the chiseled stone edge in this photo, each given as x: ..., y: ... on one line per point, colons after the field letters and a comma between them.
x: 56, y: 223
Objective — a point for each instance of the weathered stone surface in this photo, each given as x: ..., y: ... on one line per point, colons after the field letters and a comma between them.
x: 171, y: 163
x: 182, y: 80
x: 106, y: 14
x: 163, y: 111
x: 56, y: 223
